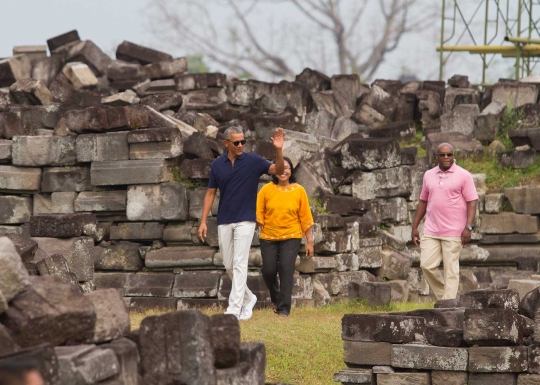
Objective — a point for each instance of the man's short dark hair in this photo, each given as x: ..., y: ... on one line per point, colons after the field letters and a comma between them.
x: 13, y: 370
x: 292, y: 179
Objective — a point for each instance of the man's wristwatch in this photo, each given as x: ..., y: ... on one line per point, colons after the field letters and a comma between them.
x: 470, y: 228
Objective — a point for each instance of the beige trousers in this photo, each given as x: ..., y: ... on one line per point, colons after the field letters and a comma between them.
x: 433, y: 251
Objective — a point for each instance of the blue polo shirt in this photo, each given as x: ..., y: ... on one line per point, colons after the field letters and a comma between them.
x: 238, y: 185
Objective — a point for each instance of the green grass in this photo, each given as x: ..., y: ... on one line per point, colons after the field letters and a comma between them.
x: 416, y: 141
x: 305, y: 348
x: 498, y: 178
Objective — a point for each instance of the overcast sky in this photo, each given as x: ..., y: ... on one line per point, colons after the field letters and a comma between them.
x: 108, y: 23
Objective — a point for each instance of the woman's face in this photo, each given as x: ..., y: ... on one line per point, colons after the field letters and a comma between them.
x: 286, y: 173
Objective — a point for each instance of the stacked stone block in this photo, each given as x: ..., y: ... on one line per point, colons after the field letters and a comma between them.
x: 484, y: 337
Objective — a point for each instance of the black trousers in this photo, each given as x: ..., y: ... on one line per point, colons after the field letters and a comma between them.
x: 280, y: 257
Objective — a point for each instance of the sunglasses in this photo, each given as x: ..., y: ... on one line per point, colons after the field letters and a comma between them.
x: 238, y: 142
x: 446, y: 154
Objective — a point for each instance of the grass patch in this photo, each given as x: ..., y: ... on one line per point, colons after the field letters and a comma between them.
x: 305, y: 348
x: 317, y: 203
x: 416, y: 141
x: 498, y: 178
x: 510, y: 120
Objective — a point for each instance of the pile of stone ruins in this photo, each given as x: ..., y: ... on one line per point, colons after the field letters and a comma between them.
x: 104, y: 163
x: 486, y: 337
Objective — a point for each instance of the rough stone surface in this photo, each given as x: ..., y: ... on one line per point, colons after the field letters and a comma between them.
x: 484, y: 299
x: 20, y: 179
x: 112, y: 317
x: 225, y: 335
x: 429, y: 357
x: 13, y: 275
x: 369, y: 154
x: 381, y: 328
x: 366, y: 353
x: 492, y: 327
x: 403, y: 379
x: 498, y: 359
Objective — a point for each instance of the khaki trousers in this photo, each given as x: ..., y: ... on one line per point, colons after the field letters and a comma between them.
x: 234, y: 243
x: 433, y: 251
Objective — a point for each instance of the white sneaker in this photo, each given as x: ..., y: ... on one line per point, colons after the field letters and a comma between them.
x: 247, y: 311
x: 234, y: 314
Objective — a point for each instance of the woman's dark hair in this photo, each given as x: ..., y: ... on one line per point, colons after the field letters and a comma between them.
x: 292, y: 179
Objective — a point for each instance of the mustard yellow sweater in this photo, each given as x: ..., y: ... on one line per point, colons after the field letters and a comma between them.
x: 283, y: 211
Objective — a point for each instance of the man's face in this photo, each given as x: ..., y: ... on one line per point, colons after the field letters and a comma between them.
x: 445, y: 157
x: 237, y: 139
x: 33, y: 377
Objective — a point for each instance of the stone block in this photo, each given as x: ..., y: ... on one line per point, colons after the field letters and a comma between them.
x: 129, y: 172
x: 398, y: 329
x: 34, y: 151
x: 456, y: 96
x: 528, y: 379
x: 57, y: 266
x: 461, y: 119
x: 31, y: 92
x: 62, y: 202
x: 101, y: 201
x: 180, y: 257
x: 13, y: 69
x: 316, y: 265
x: 395, y: 264
x: 80, y: 75
x: 390, y: 182
x: 366, y: 353
x: 429, y: 357
x: 127, y: 353
x: 84, y: 364
x: 121, y: 256
x: 14, y: 209
x: 519, y: 158
x: 335, y: 242
x: 149, y: 285
x: 492, y: 379
x: 354, y: 376
x: 441, y: 377
x: 13, y: 275
x: 176, y: 347
x: 523, y: 286
x: 373, y: 293
x: 443, y: 336
x: 498, y: 359
x: 492, y: 327
x: 534, y: 359
x: 463, y: 144
x: 102, y: 147
x: 167, y: 201
x: 62, y: 40
x: 529, y: 304
x: 493, y: 203
x: 90, y: 54
x: 132, y: 52
x: 484, y: 299
x: 515, y: 94
x: 158, y: 149
x: 61, y: 225
x: 403, y: 379
x: 5, y: 150
x: 178, y: 232
x: 507, y: 223
x: 20, y: 179
x: 487, y: 123
x: 452, y: 318
x: 367, y: 115
x: 196, y: 284
x: 76, y: 251
x: 137, y: 231
x: 525, y: 136
x: 346, y: 206
x: 359, y: 153
x: 112, y: 317
x: 66, y: 316
x: 65, y: 179
x: 523, y: 199
x: 225, y: 336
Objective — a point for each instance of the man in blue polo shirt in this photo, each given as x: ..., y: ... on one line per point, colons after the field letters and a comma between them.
x: 236, y: 174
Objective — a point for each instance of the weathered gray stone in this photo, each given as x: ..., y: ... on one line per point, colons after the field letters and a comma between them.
x: 507, y: 223
x: 20, y: 179
x: 498, y: 359
x: 400, y: 290
x: 225, y: 336
x: 389, y: 182
x: 43, y: 151
x: 403, y: 379
x: 515, y: 94
x: 129, y: 172
x: 180, y: 256
x: 167, y: 201
x: 484, y: 299
x: 335, y: 242
x: 487, y: 123
x: 170, y: 147
x: 137, y: 231
x: 527, y: 136
x: 181, y: 341
x: 149, y: 285
x: 493, y: 203
x: 354, y: 376
x: 442, y: 377
x: 121, y: 256
x: 316, y: 265
x: 61, y: 225
x: 132, y: 52
x: 443, y: 336
x: 101, y: 201
x: 523, y: 286
x: 429, y: 357
x: 369, y: 154
x: 112, y: 317
x: 519, y: 158
x: 461, y: 119
x: 396, y: 329
x: 320, y: 123
x: 534, y: 359
x: 452, y: 318
x: 65, y: 179
x: 31, y: 91
x: 528, y: 379
x: 14, y: 209
x: 13, y: 69
x: 195, y: 284
x: 492, y: 379
x: 395, y: 264
x: 366, y: 353
x: 102, y: 147
x: 373, y: 293
x: 80, y: 75
x: 178, y: 232
x: 56, y: 265
x: 127, y: 353
x: 492, y: 327
x: 76, y: 251
x: 13, y: 276
x: 524, y: 199
x: 66, y: 316
x: 456, y: 96
x: 529, y: 304
x: 84, y: 364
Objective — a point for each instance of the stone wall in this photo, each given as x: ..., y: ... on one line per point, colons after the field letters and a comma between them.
x: 105, y: 163
x: 484, y: 337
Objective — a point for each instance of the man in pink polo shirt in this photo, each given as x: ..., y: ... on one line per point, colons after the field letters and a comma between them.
x: 448, y: 200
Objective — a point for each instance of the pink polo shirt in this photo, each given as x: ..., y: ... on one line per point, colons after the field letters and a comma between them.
x: 447, y: 194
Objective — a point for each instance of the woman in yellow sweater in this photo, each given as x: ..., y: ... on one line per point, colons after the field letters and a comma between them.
x: 283, y: 215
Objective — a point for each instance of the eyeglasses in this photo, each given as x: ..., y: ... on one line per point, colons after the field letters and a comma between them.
x: 446, y: 154
x: 238, y: 142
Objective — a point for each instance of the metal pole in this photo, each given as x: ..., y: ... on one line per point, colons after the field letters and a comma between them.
x: 518, y: 47
x: 441, y: 58
x: 484, y: 62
